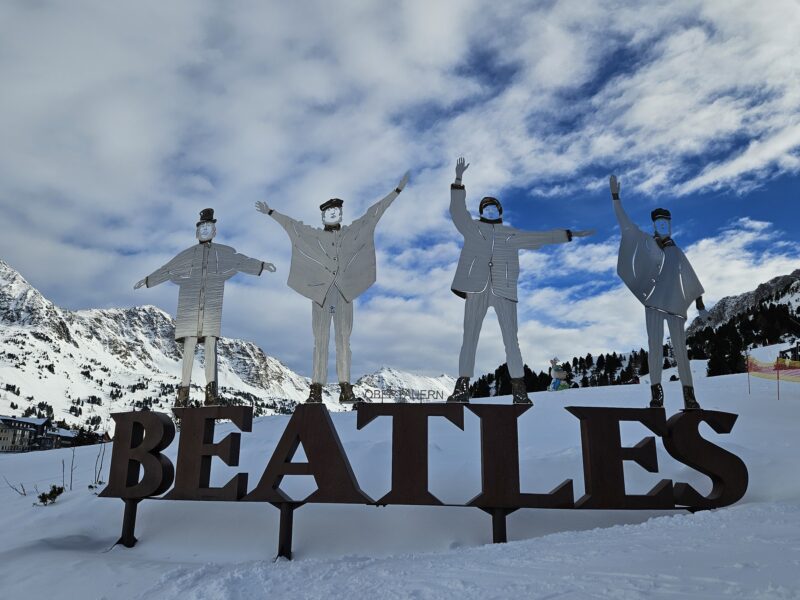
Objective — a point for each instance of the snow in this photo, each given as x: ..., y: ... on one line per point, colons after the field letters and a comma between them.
x: 225, y: 550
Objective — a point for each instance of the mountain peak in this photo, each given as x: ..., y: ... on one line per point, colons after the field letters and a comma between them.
x: 20, y: 302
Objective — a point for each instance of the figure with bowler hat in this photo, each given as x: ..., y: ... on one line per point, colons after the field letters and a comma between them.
x: 201, y: 272
x: 332, y: 265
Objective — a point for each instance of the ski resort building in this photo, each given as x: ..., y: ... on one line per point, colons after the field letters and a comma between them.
x: 20, y: 434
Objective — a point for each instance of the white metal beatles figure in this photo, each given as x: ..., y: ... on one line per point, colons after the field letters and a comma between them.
x: 658, y: 273
x: 201, y: 272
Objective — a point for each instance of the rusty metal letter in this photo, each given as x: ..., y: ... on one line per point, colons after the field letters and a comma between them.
x: 500, y: 463
x: 603, y: 455
x: 311, y: 426
x: 196, y: 448
x: 727, y: 471
x: 139, y: 439
x: 410, y: 446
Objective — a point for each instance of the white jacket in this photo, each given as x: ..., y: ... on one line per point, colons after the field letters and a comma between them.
x: 659, y: 278
x: 490, y: 255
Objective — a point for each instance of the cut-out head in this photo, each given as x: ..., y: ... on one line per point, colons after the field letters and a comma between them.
x: 331, y: 211
x: 491, y: 209
x: 206, y: 228
x: 662, y: 222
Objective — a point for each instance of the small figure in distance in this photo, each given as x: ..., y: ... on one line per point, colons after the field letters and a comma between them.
x: 486, y: 275
x: 332, y: 265
x: 658, y: 273
x: 557, y: 373
x: 201, y: 272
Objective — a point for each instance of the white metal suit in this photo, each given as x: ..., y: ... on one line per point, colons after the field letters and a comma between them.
x: 487, y: 275
x: 201, y: 272
x: 333, y: 265
x: 658, y: 273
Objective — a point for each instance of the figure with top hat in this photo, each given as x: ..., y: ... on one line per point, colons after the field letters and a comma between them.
x: 201, y: 272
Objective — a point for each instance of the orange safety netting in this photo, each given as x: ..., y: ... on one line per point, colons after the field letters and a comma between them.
x: 781, y: 368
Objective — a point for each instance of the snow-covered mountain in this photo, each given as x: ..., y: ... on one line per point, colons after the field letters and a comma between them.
x: 784, y: 289
x: 83, y: 365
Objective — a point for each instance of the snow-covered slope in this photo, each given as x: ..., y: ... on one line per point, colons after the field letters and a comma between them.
x: 87, y: 364
x: 216, y: 551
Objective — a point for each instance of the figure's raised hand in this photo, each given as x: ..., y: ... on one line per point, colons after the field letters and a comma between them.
x: 270, y: 267
x: 583, y: 233
x: 262, y: 207
x: 461, y: 166
x: 403, y: 181
x: 140, y: 283
x: 614, y: 184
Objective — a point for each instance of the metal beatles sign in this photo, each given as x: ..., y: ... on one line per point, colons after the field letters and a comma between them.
x: 139, y: 470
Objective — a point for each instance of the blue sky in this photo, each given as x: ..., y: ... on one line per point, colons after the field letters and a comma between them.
x: 121, y: 122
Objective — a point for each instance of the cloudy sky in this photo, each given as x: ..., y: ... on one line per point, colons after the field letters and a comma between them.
x: 120, y: 121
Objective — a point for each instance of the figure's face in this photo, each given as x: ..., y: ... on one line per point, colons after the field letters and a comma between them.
x: 332, y: 216
x: 206, y: 231
x: 663, y: 227
x: 491, y: 212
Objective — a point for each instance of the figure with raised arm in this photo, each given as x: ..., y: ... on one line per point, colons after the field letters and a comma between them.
x: 201, y: 272
x: 486, y: 275
x: 661, y: 277
x: 333, y: 265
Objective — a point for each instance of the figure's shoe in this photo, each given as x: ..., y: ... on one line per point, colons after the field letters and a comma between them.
x: 183, y: 397
x: 346, y: 395
x: 688, y: 398
x: 656, y: 396
x: 461, y: 391
x: 211, y: 394
x: 315, y: 394
x: 519, y: 392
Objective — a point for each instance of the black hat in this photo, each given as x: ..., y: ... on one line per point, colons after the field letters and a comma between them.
x: 206, y: 216
x: 661, y: 213
x: 487, y: 200
x: 332, y: 203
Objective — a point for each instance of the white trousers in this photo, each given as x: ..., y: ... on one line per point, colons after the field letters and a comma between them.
x: 655, y: 339
x: 210, y: 347
x: 475, y: 307
x: 340, y: 311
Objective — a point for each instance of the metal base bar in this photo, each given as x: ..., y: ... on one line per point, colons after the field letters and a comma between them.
x: 285, y: 528
x: 499, y: 531
x: 128, y: 539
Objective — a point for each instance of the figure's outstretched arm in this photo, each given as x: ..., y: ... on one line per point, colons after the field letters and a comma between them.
x: 174, y: 268
x: 375, y: 212
x: 458, y: 201
x: 293, y: 227
x: 251, y: 266
x: 622, y: 217
x: 530, y: 240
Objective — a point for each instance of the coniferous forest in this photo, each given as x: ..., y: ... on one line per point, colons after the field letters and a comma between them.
x: 724, y: 346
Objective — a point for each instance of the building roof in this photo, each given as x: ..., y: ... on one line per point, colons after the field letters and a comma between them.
x: 65, y: 433
x: 26, y: 420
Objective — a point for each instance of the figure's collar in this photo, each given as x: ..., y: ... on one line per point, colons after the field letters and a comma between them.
x: 664, y: 242
x: 492, y: 221
x: 336, y: 227
x: 207, y: 242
